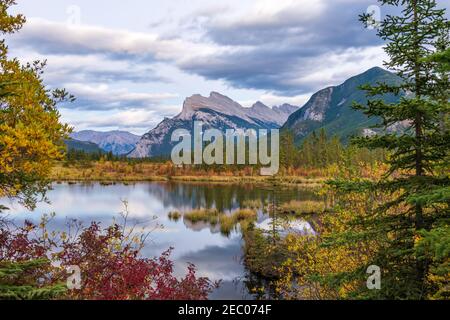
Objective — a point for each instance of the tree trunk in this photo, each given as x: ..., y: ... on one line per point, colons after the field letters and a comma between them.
x: 419, y: 221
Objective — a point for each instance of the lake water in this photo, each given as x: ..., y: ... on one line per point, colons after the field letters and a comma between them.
x: 216, y: 256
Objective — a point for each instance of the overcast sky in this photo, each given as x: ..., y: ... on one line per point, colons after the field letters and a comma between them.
x: 132, y: 63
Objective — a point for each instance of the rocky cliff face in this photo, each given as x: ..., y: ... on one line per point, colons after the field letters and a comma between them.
x: 216, y: 111
x: 317, y: 107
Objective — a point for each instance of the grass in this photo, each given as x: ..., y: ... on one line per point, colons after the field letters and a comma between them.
x: 203, y: 215
x: 245, y: 214
x: 227, y: 222
x: 174, y: 215
x: 242, y: 216
x: 303, y: 207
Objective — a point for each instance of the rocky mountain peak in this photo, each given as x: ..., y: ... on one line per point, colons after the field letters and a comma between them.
x: 285, y: 108
x: 218, y: 95
x: 259, y: 105
x: 215, y: 102
x: 215, y: 111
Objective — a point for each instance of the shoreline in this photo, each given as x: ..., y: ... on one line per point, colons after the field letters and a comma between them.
x: 124, y: 173
x: 263, y: 181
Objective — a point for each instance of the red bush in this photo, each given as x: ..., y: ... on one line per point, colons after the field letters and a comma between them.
x: 110, y: 263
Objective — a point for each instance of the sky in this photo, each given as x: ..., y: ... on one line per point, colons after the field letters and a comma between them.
x: 132, y: 63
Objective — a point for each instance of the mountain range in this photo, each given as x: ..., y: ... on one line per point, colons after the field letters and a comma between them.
x: 216, y: 111
x: 117, y: 142
x: 329, y: 109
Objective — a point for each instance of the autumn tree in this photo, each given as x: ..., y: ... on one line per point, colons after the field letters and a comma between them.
x: 31, y: 134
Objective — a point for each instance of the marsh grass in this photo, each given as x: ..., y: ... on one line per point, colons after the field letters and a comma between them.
x: 226, y: 222
x: 302, y: 207
x: 243, y: 217
x: 203, y: 215
x: 245, y: 214
x: 174, y: 215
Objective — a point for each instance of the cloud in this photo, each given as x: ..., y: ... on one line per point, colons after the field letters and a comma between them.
x: 271, y: 99
x: 289, y: 47
x: 137, y: 121
x: 49, y: 37
x: 102, y: 97
x: 301, y: 22
x: 285, y: 72
x: 268, y: 45
x: 93, y: 69
x: 265, y: 20
x: 335, y: 67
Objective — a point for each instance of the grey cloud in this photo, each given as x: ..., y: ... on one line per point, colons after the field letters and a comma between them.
x: 276, y: 50
x: 336, y: 26
x: 271, y: 69
x: 90, y: 97
x: 141, y: 76
x: 268, y: 53
x: 274, y: 54
x: 59, y: 38
x: 92, y: 75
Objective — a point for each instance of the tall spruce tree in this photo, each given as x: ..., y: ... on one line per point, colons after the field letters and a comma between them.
x: 288, y: 151
x: 418, y: 180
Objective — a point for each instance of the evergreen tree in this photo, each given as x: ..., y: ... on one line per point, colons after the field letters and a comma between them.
x: 416, y: 181
x: 288, y: 150
x: 19, y: 281
x: 441, y: 59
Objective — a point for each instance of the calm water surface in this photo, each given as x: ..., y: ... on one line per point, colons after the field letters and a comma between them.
x: 216, y: 256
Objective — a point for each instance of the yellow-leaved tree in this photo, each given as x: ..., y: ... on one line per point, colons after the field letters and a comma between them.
x: 31, y: 134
